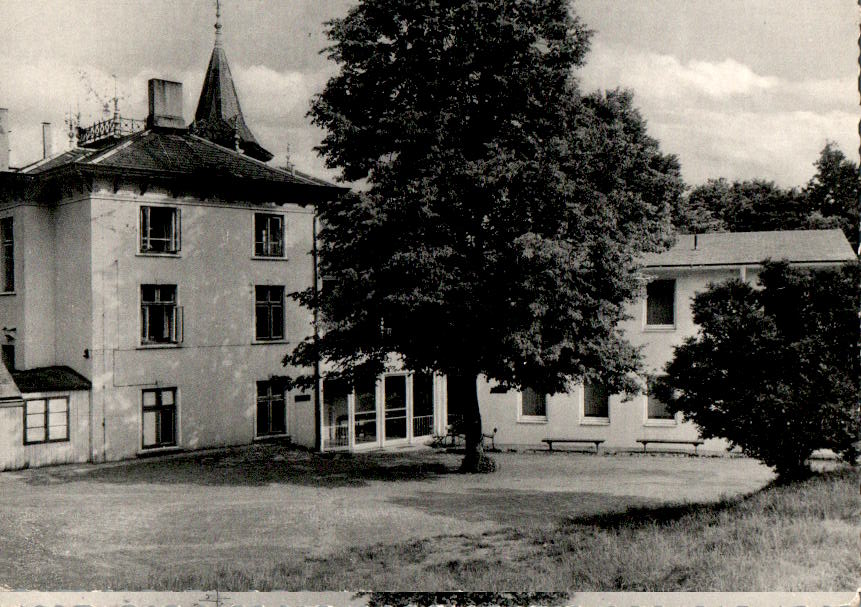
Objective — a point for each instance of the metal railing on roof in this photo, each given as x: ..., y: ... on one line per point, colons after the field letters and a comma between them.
x: 114, y: 128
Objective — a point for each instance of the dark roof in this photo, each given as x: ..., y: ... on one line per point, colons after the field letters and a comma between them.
x: 50, y: 379
x: 218, y: 112
x: 172, y: 154
x: 749, y: 248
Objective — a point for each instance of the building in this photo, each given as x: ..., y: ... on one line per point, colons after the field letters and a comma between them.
x: 146, y: 276
x: 658, y: 322
x: 144, y: 303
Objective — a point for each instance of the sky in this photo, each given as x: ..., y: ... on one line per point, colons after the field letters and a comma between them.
x: 740, y: 89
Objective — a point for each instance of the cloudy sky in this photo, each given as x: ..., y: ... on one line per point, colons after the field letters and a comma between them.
x: 736, y: 88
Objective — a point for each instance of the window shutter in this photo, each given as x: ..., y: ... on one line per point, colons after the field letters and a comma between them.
x: 177, y: 231
x: 144, y: 226
x: 177, y: 324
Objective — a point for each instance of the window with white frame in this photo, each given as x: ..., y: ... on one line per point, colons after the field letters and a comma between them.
x: 268, y: 235
x: 8, y: 243
x: 657, y: 409
x: 46, y: 420
x: 596, y: 401
x: 160, y: 230
x: 161, y: 317
x: 660, y: 303
x: 532, y: 404
x: 271, y: 409
x: 159, y: 418
x: 269, y: 312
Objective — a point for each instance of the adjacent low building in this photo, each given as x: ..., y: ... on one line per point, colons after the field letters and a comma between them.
x: 658, y: 322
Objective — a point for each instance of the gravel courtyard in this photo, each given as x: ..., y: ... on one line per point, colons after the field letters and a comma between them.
x: 82, y: 527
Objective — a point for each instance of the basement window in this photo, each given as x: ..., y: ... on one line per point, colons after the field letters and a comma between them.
x: 160, y: 230
x: 46, y: 420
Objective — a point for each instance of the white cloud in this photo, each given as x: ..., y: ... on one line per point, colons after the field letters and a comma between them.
x: 724, y: 119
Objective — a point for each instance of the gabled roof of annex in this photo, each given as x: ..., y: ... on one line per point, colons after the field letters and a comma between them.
x: 751, y: 248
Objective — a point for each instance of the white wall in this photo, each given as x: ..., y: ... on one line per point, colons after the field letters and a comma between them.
x: 216, y: 367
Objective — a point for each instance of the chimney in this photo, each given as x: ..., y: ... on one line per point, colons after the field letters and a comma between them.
x: 4, y: 139
x: 47, y: 140
x: 165, y: 105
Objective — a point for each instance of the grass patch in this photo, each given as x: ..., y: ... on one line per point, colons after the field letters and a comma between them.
x: 800, y: 537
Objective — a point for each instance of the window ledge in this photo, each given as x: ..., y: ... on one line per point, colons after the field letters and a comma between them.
x: 159, y: 346
x: 531, y: 420
x: 659, y: 328
x: 7, y: 293
x: 661, y: 423
x: 269, y: 257
x: 168, y: 255
x: 266, y: 342
x: 270, y: 437
x: 595, y: 421
x: 56, y: 441
x: 143, y: 452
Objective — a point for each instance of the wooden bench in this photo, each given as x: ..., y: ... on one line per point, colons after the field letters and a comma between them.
x: 669, y: 441
x: 595, y: 441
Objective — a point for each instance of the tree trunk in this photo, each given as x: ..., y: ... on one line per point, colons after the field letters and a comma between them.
x: 474, y: 459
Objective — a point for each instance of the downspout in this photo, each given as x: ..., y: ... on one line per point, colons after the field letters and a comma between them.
x: 318, y: 402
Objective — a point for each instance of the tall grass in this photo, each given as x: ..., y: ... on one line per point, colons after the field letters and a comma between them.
x: 801, y: 537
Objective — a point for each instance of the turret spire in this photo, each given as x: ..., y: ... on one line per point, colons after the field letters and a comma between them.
x: 218, y: 25
x: 218, y: 116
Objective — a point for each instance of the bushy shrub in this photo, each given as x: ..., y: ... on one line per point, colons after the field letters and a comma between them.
x: 775, y: 368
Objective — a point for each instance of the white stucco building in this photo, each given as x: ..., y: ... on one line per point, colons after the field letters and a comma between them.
x: 660, y: 320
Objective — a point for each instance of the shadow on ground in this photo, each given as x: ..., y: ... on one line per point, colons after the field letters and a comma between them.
x: 255, y: 466
x: 508, y: 507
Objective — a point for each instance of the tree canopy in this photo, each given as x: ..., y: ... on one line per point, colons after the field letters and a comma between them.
x: 774, y: 370
x: 504, y: 210
x: 828, y: 200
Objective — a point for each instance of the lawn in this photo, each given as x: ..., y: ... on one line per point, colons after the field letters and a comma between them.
x: 267, y: 517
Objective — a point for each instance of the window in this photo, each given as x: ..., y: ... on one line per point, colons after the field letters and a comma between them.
x: 658, y: 409
x: 596, y: 401
x: 533, y: 404
x: 46, y: 420
x: 268, y: 235
x: 8, y: 254
x: 161, y: 318
x: 160, y: 230
x: 660, y: 303
x: 271, y: 409
x: 269, y: 311
x: 159, y: 418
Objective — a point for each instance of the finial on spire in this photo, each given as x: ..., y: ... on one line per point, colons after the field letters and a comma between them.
x: 217, y: 23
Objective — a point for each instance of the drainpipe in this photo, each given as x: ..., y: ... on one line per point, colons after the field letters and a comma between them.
x: 318, y: 401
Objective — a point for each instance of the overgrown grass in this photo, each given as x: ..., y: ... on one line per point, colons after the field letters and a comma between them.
x: 801, y: 537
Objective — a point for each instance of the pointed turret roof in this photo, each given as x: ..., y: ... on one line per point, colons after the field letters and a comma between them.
x: 219, y: 116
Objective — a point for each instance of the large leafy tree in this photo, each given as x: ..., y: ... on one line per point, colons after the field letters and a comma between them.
x: 833, y: 192
x: 774, y: 370
x: 503, y: 211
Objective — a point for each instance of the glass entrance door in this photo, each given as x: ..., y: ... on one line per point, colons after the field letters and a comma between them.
x: 422, y: 404
x: 395, y: 406
x: 365, y: 413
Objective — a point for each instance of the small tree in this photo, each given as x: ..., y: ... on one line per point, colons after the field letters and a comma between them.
x: 504, y: 211
x: 774, y: 370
